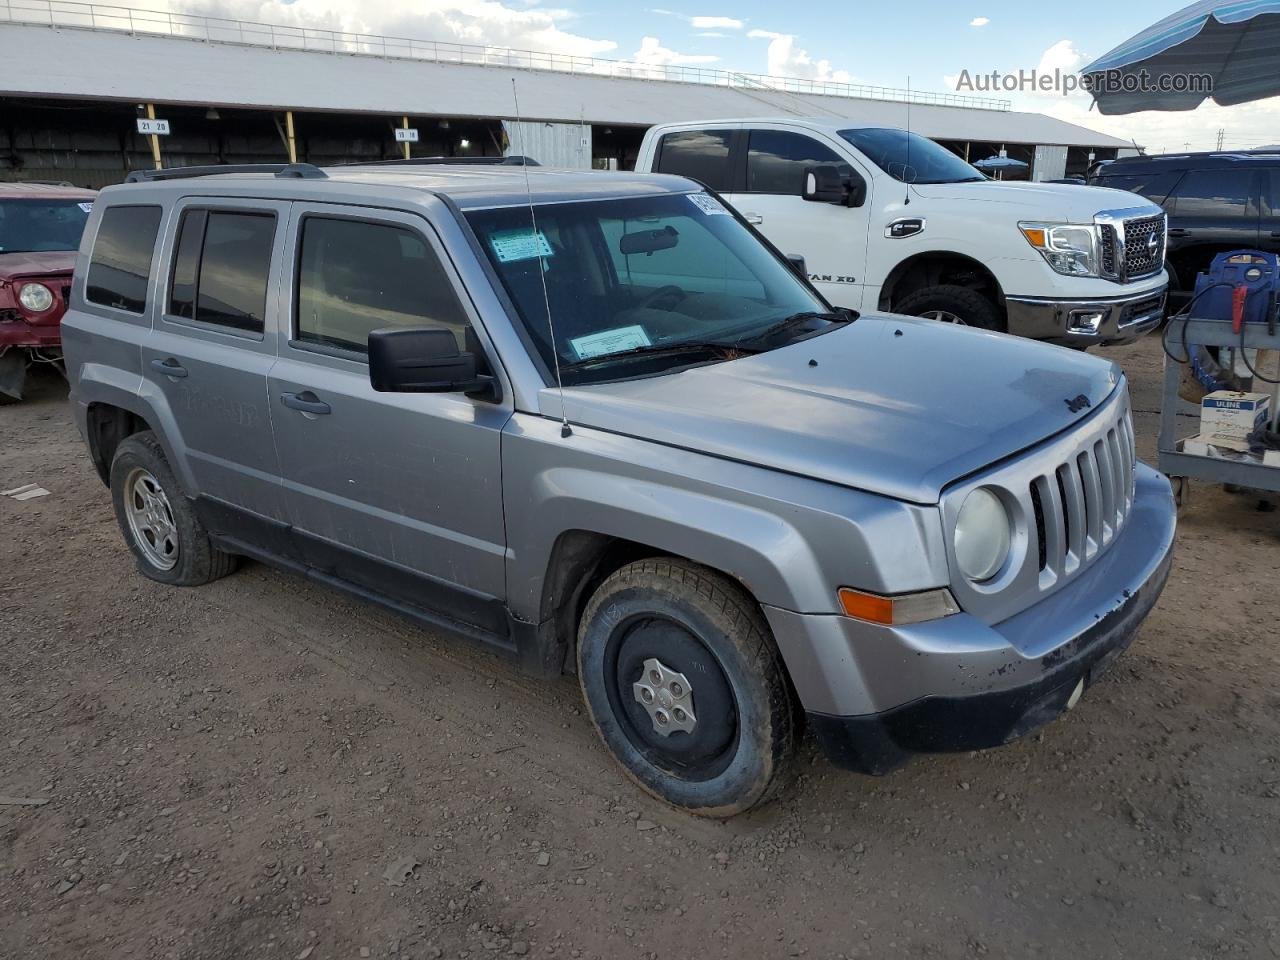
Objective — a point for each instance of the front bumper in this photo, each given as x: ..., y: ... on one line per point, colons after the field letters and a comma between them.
x: 876, y: 695
x: 1083, y: 322
x: 25, y: 336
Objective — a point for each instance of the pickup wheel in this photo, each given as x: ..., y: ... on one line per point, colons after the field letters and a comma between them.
x: 952, y: 304
x: 157, y: 520
x: 686, y: 687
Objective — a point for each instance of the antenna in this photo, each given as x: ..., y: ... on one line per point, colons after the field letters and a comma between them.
x: 565, y: 429
x: 906, y: 186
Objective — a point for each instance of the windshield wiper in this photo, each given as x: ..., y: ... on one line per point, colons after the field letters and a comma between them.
x: 658, y: 350
x: 840, y: 317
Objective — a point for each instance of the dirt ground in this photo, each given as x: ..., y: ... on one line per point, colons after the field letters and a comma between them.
x: 235, y: 770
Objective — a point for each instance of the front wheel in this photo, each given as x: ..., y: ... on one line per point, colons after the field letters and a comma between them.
x: 952, y: 304
x: 686, y: 687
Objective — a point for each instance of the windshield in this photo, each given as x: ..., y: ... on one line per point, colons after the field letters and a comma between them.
x: 909, y: 157
x: 643, y: 286
x: 28, y: 226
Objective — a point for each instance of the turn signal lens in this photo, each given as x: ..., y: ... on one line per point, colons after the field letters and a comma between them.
x: 1035, y: 236
x: 897, y: 610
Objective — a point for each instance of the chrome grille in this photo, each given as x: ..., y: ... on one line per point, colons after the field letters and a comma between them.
x: 1143, y: 247
x: 1083, y: 503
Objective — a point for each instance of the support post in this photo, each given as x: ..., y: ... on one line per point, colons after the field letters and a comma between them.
x: 155, y: 140
x: 404, y: 125
x: 291, y: 141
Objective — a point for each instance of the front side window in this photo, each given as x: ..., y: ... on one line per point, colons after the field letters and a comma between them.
x: 355, y: 277
x: 776, y: 161
x: 644, y: 286
x: 221, y: 268
x: 909, y: 157
x: 1214, y: 193
x: 37, y: 226
x: 120, y: 264
x: 701, y: 155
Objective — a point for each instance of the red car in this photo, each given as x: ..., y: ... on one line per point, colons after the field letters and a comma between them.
x: 40, y: 227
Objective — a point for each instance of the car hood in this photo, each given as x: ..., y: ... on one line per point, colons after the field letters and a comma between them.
x: 894, y: 405
x: 36, y: 263
x: 1046, y: 202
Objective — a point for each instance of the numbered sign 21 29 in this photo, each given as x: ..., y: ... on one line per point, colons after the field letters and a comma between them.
x: 157, y: 127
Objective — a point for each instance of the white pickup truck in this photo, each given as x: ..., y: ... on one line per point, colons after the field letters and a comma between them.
x: 886, y: 219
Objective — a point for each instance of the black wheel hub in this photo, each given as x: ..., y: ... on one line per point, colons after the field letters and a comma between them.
x: 705, y: 751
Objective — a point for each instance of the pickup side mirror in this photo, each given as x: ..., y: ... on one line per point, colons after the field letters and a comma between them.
x: 798, y: 265
x: 829, y: 183
x: 422, y: 360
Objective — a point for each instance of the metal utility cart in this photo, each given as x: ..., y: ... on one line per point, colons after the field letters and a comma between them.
x: 1183, y: 466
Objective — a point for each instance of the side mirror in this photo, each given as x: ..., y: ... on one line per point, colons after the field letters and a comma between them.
x: 797, y: 264
x: 828, y: 183
x: 422, y: 360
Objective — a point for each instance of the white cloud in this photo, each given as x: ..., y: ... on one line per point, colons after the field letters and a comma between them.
x: 488, y: 22
x: 979, y: 21
x: 786, y: 60
x: 715, y: 23
x: 653, y: 52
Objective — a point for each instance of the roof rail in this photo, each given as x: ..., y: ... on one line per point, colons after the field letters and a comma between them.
x: 513, y: 161
x: 306, y: 171
x: 47, y: 183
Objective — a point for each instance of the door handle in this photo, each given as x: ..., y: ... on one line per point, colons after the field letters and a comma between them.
x: 1275, y: 234
x: 306, y: 402
x: 1177, y: 232
x: 169, y: 367
x: 753, y: 218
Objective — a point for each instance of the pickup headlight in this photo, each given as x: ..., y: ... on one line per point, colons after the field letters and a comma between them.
x: 35, y: 297
x: 1069, y: 248
x: 982, y: 535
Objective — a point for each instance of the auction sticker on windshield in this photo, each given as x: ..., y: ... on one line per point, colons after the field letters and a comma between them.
x: 707, y: 204
x: 610, y: 341
x: 511, y: 246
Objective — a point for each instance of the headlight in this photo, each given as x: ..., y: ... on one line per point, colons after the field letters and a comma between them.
x: 982, y: 535
x: 1071, y: 249
x: 36, y: 297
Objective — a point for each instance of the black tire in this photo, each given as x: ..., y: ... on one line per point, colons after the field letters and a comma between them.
x: 694, y: 622
x: 195, y: 560
x: 973, y: 308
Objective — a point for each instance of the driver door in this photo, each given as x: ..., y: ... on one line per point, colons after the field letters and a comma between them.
x: 832, y: 239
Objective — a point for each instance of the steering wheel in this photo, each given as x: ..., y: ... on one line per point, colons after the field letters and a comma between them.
x: 669, y: 292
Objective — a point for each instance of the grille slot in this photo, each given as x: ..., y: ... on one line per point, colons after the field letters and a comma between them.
x: 1143, y: 247
x: 1081, y: 506
x: 1108, y: 250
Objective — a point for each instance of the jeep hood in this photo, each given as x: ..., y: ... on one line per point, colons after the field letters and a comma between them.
x: 1046, y: 202
x: 31, y: 266
x: 895, y: 405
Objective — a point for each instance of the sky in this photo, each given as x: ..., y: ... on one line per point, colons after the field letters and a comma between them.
x: 928, y: 44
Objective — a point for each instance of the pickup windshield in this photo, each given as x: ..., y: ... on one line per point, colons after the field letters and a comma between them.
x: 34, y: 226
x: 643, y: 286
x: 909, y: 157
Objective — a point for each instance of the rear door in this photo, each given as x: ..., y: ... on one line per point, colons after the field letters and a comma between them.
x: 832, y: 239
x: 214, y: 342
x: 399, y: 493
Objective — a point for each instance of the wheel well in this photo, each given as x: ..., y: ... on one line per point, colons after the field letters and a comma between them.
x: 580, y: 562
x: 933, y: 269
x: 107, y: 426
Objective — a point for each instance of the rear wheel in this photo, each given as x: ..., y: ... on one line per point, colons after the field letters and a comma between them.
x: 951, y: 304
x: 686, y: 687
x: 166, y: 537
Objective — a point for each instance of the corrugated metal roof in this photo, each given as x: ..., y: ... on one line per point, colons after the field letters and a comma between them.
x: 97, y: 64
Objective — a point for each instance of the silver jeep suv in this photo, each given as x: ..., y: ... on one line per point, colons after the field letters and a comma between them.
x: 596, y: 423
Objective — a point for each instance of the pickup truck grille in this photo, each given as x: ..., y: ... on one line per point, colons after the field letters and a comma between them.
x: 1143, y: 248
x: 1081, y: 505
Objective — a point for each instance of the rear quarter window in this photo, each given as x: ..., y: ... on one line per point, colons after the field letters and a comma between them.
x: 120, y: 263
x: 1155, y: 186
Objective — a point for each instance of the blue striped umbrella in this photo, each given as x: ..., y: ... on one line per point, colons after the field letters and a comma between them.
x: 1236, y: 45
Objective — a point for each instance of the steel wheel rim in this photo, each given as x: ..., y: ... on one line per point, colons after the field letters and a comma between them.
x: 151, y: 519
x: 944, y: 316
